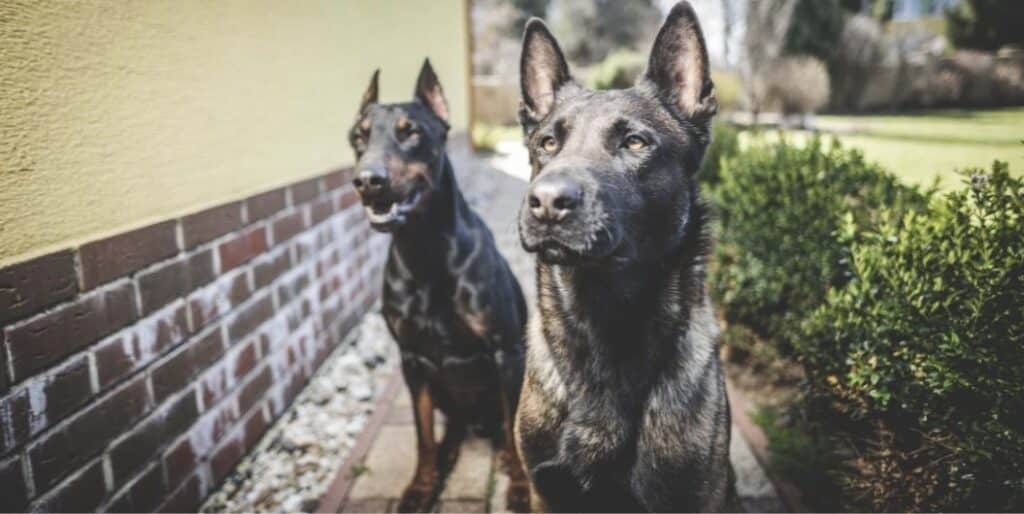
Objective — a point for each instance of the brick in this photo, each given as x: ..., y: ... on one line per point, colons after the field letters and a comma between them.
x: 139, y: 345
x: 179, y: 461
x: 337, y: 179
x: 249, y: 318
x: 175, y: 279
x: 44, y: 401
x: 178, y: 370
x: 321, y: 210
x: 217, y: 299
x: 242, y: 248
x: 143, y: 494
x: 89, y: 431
x: 220, y: 381
x: 13, y: 495
x: 200, y: 269
x: 292, y: 287
x: 255, y: 427
x: 349, y: 199
x: 5, y: 382
x: 255, y: 389
x: 305, y: 191
x: 106, y: 259
x: 225, y: 458
x: 265, y: 204
x: 81, y: 493
x: 288, y: 226
x: 186, y: 498
x: 28, y: 287
x: 41, y: 341
x: 211, y: 223
x: 271, y: 266
x: 135, y: 449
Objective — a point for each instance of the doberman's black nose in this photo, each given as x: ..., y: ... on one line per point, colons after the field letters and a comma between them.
x: 553, y: 198
x: 370, y: 182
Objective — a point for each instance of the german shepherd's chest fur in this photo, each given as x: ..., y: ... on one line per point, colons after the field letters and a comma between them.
x: 624, y: 405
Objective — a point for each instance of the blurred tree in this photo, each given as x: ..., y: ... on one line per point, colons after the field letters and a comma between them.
x: 986, y: 24
x: 591, y: 29
x: 767, y: 23
x: 815, y: 29
x: 527, y: 9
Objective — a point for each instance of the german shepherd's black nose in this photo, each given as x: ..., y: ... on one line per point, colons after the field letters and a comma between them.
x: 554, y: 197
x: 370, y: 182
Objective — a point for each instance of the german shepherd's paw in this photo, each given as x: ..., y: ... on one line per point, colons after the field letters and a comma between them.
x: 419, y: 496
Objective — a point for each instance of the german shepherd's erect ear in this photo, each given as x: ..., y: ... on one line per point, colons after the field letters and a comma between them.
x: 542, y: 72
x: 429, y: 92
x: 370, y: 95
x: 678, y: 67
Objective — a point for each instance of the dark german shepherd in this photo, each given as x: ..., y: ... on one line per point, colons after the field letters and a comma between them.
x: 624, y: 405
x: 450, y: 300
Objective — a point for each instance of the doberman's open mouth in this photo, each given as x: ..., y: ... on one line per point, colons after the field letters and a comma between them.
x: 388, y: 214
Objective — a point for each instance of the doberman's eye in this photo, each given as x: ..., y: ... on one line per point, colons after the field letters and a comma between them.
x: 634, y: 143
x: 549, y: 144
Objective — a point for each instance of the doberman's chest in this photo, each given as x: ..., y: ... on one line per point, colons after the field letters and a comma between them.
x: 433, y: 320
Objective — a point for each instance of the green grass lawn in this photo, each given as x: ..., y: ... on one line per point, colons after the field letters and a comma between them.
x: 921, y: 146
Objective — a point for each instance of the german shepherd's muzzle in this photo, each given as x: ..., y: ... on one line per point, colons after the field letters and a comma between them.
x: 450, y: 300
x: 623, y: 405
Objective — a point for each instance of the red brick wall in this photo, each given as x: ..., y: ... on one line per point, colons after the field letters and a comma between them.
x: 137, y: 370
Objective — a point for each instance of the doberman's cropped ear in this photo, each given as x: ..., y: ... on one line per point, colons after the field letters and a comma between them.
x: 678, y: 69
x: 542, y: 71
x: 370, y: 96
x: 429, y: 92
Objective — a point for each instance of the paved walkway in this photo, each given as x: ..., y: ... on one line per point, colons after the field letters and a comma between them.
x: 476, y: 484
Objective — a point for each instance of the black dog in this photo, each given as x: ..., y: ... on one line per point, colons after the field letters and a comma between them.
x: 450, y: 300
x: 624, y: 405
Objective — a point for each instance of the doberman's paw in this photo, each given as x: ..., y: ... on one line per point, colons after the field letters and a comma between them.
x: 418, y: 497
x: 517, y: 499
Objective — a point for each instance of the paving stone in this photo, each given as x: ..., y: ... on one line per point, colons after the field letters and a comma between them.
x: 450, y: 506
x: 472, y: 471
x: 389, y: 465
x: 756, y: 492
x: 500, y: 489
x: 368, y: 506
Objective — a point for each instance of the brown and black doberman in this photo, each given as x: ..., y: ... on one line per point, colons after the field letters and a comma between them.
x: 450, y: 299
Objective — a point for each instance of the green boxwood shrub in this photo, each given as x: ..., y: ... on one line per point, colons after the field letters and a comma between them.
x: 921, y: 355
x: 619, y: 70
x: 725, y: 144
x: 779, y: 209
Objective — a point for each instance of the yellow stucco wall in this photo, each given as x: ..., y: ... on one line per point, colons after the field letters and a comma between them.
x: 117, y: 114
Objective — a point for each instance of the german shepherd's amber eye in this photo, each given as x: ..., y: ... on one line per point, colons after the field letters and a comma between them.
x: 634, y: 143
x: 549, y: 144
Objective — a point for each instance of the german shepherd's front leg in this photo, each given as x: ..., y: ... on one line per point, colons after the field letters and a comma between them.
x: 517, y: 499
x: 420, y: 494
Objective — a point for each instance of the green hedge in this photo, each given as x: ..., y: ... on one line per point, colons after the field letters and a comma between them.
x: 779, y: 208
x: 905, y: 310
x: 923, y: 353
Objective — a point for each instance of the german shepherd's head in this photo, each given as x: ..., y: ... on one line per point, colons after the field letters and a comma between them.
x: 399, y: 148
x: 613, y: 177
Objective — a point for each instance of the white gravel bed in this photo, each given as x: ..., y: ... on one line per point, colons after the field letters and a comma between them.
x: 296, y: 460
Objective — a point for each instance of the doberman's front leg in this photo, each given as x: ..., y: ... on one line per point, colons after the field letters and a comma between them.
x: 420, y: 494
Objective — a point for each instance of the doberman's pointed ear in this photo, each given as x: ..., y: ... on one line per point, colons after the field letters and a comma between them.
x: 678, y: 68
x: 370, y: 96
x: 429, y: 92
x: 542, y: 70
